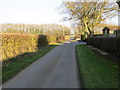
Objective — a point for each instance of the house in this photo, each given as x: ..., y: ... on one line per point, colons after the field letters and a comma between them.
x: 112, y: 29
x: 99, y: 29
x: 106, y: 30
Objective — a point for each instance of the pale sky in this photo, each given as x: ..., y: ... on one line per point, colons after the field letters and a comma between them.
x: 33, y: 12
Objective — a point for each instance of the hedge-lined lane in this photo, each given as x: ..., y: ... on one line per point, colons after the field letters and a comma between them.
x: 16, y: 44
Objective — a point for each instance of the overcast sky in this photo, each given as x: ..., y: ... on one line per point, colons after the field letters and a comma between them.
x: 33, y: 12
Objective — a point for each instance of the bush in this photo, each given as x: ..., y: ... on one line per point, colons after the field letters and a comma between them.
x: 16, y: 44
x: 110, y: 45
x: 51, y: 38
x: 42, y: 41
x: 67, y: 37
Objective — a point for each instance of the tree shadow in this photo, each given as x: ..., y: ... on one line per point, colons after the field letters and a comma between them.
x: 22, y: 56
x: 17, y: 58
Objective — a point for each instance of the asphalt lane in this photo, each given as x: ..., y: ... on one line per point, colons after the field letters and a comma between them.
x: 57, y: 69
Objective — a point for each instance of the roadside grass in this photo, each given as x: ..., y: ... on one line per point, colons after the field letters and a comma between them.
x: 13, y: 66
x: 59, y: 43
x: 95, y: 71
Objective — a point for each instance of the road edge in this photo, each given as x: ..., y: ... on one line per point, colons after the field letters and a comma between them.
x: 80, y: 82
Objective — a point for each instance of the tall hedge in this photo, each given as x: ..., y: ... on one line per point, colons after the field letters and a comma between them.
x: 67, y: 37
x: 42, y: 41
x: 110, y: 45
x: 51, y: 38
x: 16, y: 44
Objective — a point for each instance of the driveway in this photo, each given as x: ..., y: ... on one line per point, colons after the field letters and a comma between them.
x: 57, y: 69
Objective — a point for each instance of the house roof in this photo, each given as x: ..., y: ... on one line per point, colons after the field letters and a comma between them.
x: 105, y: 28
x: 113, y: 27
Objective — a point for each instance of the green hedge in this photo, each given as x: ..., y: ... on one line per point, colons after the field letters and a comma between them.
x: 67, y: 37
x: 51, y: 38
x: 16, y: 44
x: 110, y: 45
x: 42, y: 41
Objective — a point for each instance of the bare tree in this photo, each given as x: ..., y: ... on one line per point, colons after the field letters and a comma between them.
x: 89, y: 14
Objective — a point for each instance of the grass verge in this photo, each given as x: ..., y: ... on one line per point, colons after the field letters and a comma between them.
x: 95, y: 71
x: 13, y: 66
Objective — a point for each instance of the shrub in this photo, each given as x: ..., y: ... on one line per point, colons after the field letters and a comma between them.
x: 51, y: 38
x: 110, y: 45
x: 16, y: 44
x: 67, y: 37
x: 60, y: 38
x: 42, y: 41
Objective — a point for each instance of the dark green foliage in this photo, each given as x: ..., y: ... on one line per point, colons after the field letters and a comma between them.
x: 42, y: 41
x: 110, y: 45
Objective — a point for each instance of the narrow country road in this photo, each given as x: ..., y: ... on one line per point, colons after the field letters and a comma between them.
x: 57, y: 69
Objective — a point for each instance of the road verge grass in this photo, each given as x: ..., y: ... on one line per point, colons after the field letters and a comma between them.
x: 13, y: 66
x: 95, y: 71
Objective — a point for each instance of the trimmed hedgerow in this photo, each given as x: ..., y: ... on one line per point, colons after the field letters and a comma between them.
x: 51, y: 38
x: 67, y: 37
x: 110, y: 45
x: 16, y: 44
x: 42, y: 41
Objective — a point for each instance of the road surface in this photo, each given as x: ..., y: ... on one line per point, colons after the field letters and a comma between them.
x: 57, y: 69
